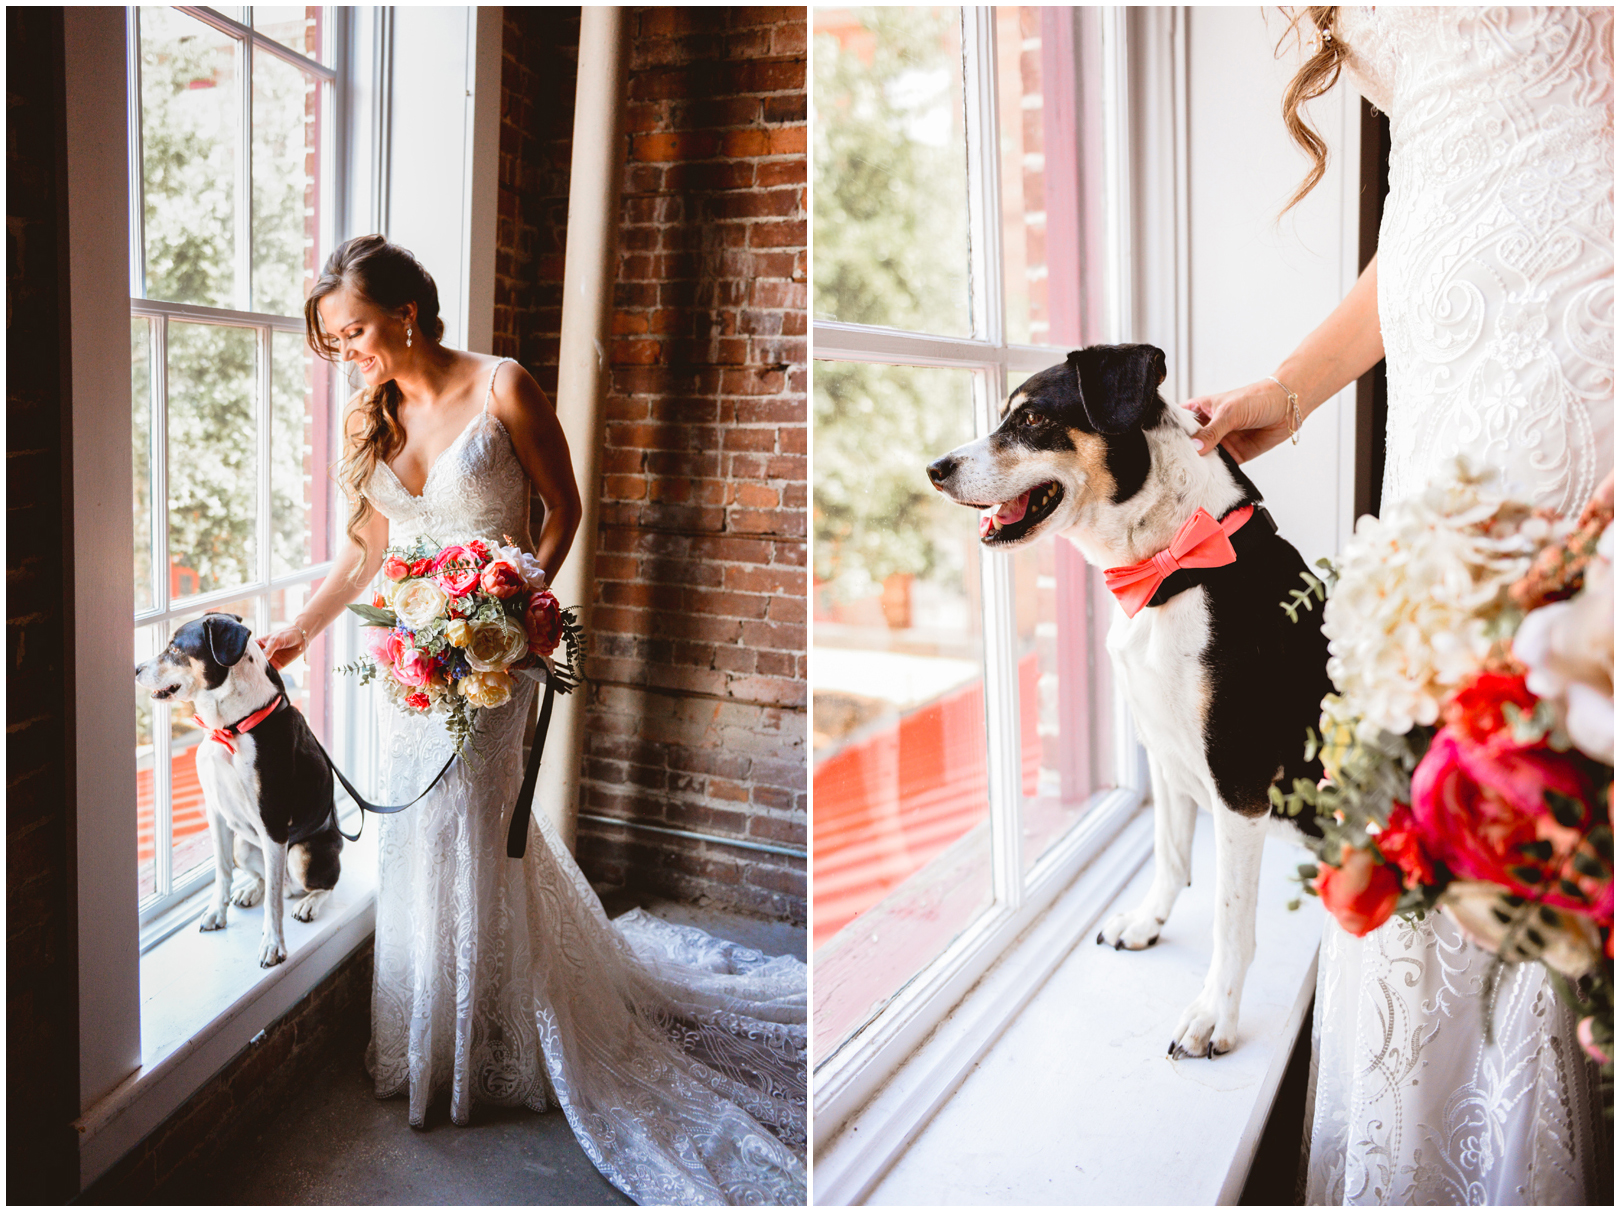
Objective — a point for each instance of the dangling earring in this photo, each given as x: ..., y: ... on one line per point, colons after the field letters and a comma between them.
x: 407, y: 336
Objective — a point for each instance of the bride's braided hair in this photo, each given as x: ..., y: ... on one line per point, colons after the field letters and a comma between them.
x: 390, y: 277
x: 1316, y: 76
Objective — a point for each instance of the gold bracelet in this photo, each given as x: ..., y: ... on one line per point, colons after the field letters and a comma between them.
x: 302, y: 633
x: 1295, y: 421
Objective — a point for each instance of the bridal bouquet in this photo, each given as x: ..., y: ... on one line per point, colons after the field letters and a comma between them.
x: 454, y: 627
x: 1469, y: 749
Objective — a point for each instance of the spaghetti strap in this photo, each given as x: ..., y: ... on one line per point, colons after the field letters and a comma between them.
x: 490, y: 393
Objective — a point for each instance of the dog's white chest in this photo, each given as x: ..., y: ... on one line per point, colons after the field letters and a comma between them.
x: 232, y: 783
x: 1159, y: 659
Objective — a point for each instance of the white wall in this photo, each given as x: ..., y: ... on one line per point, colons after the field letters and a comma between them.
x: 442, y: 165
x: 1259, y: 285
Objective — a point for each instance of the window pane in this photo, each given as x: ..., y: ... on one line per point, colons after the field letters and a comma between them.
x: 285, y: 105
x: 891, y: 169
x: 1040, y: 178
x: 902, y: 853
x: 296, y: 28
x: 298, y: 455
x: 190, y: 141
x: 140, y: 383
x: 213, y: 464
x: 1064, y: 689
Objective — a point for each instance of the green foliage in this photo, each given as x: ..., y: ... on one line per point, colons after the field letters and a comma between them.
x: 891, y: 249
x: 1313, y: 585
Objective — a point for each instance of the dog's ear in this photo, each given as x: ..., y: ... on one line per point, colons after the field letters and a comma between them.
x: 227, y: 638
x: 1117, y: 383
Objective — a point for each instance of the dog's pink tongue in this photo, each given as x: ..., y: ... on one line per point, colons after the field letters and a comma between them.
x: 1012, y: 511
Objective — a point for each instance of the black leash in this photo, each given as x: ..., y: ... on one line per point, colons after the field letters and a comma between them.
x: 517, y: 836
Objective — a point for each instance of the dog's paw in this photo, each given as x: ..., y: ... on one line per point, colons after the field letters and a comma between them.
x: 214, y: 919
x: 1204, y: 1031
x: 307, y: 908
x: 249, y: 894
x: 271, y: 953
x: 1133, y: 931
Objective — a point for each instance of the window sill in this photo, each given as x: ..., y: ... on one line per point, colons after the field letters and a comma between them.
x: 1069, y: 1098
x: 204, y: 998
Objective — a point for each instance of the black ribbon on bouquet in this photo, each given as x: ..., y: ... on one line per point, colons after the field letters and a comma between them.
x: 517, y: 836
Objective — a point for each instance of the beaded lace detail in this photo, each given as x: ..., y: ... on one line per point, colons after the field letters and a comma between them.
x: 678, y: 1058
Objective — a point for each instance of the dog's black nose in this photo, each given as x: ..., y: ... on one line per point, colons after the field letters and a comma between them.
x: 940, y: 470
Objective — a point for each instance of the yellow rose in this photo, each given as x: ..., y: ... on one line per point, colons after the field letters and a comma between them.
x: 459, y: 633
x: 496, y: 644
x: 418, y: 603
x: 487, y: 689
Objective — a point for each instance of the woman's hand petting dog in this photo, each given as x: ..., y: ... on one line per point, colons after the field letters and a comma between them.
x: 1248, y: 421
x: 282, y: 647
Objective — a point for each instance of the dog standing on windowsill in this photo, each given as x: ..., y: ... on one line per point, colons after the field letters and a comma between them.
x: 1221, y: 684
x: 266, y: 783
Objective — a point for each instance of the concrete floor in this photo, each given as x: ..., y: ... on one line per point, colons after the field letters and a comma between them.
x: 338, y: 1144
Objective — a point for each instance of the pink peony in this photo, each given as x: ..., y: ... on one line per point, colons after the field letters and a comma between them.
x: 413, y: 667
x: 542, y: 619
x: 457, y: 582
x: 1361, y: 892
x: 384, y: 644
x: 455, y: 553
x: 396, y: 569
x: 502, y: 579
x: 1477, y: 807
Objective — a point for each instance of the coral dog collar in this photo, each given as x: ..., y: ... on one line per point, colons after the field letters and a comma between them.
x: 1202, y: 542
x: 224, y: 735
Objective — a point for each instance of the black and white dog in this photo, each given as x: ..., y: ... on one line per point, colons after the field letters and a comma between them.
x: 1221, y: 684
x: 265, y: 779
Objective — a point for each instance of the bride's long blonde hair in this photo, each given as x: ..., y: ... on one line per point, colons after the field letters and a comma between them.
x: 1316, y: 76
x: 390, y: 277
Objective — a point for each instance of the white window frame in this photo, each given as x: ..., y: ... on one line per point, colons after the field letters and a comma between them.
x: 848, y: 1081
x: 159, y: 916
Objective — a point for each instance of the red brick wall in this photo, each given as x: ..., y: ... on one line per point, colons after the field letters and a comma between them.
x: 697, y: 702
x: 42, y: 1019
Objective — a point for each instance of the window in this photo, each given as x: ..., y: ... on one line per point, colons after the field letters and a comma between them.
x: 968, y: 749
x: 231, y: 121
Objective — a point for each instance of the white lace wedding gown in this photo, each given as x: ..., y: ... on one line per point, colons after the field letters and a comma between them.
x: 1496, y: 300
x: 679, y: 1059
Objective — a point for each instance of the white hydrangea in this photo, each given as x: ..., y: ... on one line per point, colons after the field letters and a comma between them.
x: 1410, y: 617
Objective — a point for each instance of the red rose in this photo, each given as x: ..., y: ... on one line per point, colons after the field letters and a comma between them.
x: 418, y: 700
x: 502, y: 579
x: 1475, y: 711
x: 420, y: 567
x: 1401, y: 843
x: 1361, y: 892
x: 542, y: 619
x: 396, y: 569
x: 479, y: 549
x: 1478, y: 806
x: 457, y: 582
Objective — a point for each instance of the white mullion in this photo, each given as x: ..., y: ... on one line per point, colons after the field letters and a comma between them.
x: 137, y: 156
x: 244, y: 180
x: 995, y: 568
x: 264, y: 42
x: 984, y: 173
x: 265, y: 494
x: 160, y: 462
x: 1120, y: 301
x: 232, y: 593
x: 162, y: 790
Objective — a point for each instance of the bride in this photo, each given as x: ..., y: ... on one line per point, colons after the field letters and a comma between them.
x: 677, y: 1058
x: 1492, y: 300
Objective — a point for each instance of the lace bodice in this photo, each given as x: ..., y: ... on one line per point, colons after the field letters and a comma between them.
x: 476, y: 488
x: 1496, y: 253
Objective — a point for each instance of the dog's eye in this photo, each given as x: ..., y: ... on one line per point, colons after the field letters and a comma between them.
x: 1034, y: 420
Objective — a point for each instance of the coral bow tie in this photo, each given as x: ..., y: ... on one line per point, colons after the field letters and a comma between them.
x: 224, y: 735
x: 1202, y: 542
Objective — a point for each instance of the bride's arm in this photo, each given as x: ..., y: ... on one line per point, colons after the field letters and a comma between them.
x: 351, y: 573
x: 1345, y: 346
x: 542, y: 448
